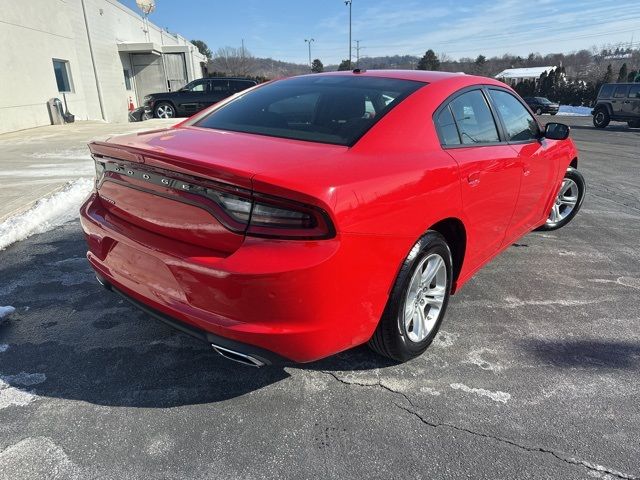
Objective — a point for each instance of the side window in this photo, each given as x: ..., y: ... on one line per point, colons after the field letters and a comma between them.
x: 220, y: 86
x: 197, y: 86
x: 621, y: 92
x: 236, y: 86
x: 519, y: 123
x: 634, y: 91
x: 474, y: 119
x: 62, y: 73
x: 606, y: 91
x: 446, y: 127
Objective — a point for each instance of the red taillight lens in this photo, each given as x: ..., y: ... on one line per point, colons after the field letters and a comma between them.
x: 279, y: 218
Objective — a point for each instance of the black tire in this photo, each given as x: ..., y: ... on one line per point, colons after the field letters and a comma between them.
x: 554, y: 113
x: 634, y: 124
x: 601, y: 118
x: 164, y: 110
x: 391, y: 338
x: 578, y: 179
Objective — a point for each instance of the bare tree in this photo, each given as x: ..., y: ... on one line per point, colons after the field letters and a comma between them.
x: 233, y: 61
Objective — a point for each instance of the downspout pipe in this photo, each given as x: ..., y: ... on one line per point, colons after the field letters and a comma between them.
x: 93, y: 62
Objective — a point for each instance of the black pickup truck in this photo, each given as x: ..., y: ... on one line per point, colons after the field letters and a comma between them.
x: 193, y: 97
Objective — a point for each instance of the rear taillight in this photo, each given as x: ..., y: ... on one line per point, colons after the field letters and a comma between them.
x: 277, y: 217
x: 236, y: 208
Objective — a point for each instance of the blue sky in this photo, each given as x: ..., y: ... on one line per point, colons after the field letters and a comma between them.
x: 277, y: 28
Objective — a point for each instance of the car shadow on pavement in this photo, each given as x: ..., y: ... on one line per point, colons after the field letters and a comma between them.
x: 71, y: 339
x: 586, y: 354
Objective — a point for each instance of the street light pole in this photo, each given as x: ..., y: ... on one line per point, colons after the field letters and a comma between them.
x: 308, y: 41
x: 348, y: 3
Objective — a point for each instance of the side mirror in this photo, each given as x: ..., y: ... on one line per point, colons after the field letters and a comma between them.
x: 556, y: 131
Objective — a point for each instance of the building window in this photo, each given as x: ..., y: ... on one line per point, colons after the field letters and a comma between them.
x: 127, y: 79
x: 63, y: 75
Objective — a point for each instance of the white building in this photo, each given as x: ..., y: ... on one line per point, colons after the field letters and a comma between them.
x: 97, y: 52
x: 513, y: 76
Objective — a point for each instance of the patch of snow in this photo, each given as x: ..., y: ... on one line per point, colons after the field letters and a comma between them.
x: 46, y: 213
x: 38, y: 457
x: 51, y: 171
x: 6, y: 311
x: 575, y: 111
x: 3, y: 347
x: 430, y: 391
x: 70, y: 154
x: 632, y: 282
x: 476, y: 357
x: 445, y: 339
x: 502, y: 397
x: 11, y: 395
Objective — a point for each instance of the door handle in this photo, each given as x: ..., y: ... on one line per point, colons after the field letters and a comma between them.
x: 474, y: 179
x: 526, y: 170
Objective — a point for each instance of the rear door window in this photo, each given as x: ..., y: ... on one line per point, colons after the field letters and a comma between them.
x: 474, y: 119
x: 606, y: 91
x: 621, y: 92
x: 634, y: 91
x: 236, y: 86
x: 220, y: 86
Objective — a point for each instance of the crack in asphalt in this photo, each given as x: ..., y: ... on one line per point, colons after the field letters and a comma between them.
x: 604, y: 189
x: 569, y: 460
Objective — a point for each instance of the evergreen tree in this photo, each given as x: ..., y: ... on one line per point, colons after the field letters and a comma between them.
x: 317, y: 66
x: 344, y: 65
x: 203, y: 48
x: 622, y: 74
x: 479, y: 64
x: 608, y: 76
x: 429, y: 61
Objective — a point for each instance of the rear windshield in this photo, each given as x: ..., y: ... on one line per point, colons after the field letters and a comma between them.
x: 327, y: 109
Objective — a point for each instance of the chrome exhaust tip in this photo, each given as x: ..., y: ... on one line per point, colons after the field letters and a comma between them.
x: 238, y: 357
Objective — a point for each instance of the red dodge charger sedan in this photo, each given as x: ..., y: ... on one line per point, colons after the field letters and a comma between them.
x: 309, y: 215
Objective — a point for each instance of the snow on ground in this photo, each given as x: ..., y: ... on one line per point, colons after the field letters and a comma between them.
x: 46, y: 213
x: 4, y: 311
x: 575, y: 111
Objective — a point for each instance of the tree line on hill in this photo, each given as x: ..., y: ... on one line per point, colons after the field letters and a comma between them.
x: 575, y: 80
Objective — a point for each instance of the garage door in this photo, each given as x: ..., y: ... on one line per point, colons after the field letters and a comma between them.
x: 149, y: 75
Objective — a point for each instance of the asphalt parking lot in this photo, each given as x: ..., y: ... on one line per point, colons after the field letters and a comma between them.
x: 533, y: 375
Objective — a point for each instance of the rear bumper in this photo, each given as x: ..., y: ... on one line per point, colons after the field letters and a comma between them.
x: 265, y: 357
x: 292, y: 300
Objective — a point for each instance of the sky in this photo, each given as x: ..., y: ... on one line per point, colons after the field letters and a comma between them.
x: 463, y: 28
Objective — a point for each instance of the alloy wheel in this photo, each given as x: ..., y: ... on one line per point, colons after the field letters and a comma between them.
x: 425, y: 296
x: 164, y: 111
x: 565, y: 201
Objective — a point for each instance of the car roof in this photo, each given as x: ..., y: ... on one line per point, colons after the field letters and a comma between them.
x: 425, y: 76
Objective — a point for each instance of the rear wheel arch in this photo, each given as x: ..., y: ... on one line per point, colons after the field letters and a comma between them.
x: 574, y: 163
x: 452, y: 229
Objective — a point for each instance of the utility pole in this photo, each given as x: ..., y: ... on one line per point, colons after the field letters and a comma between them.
x: 308, y: 41
x: 358, y: 48
x: 348, y: 3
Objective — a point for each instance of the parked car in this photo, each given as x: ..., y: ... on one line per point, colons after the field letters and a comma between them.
x: 290, y: 223
x: 619, y: 102
x: 542, y: 105
x: 193, y: 97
